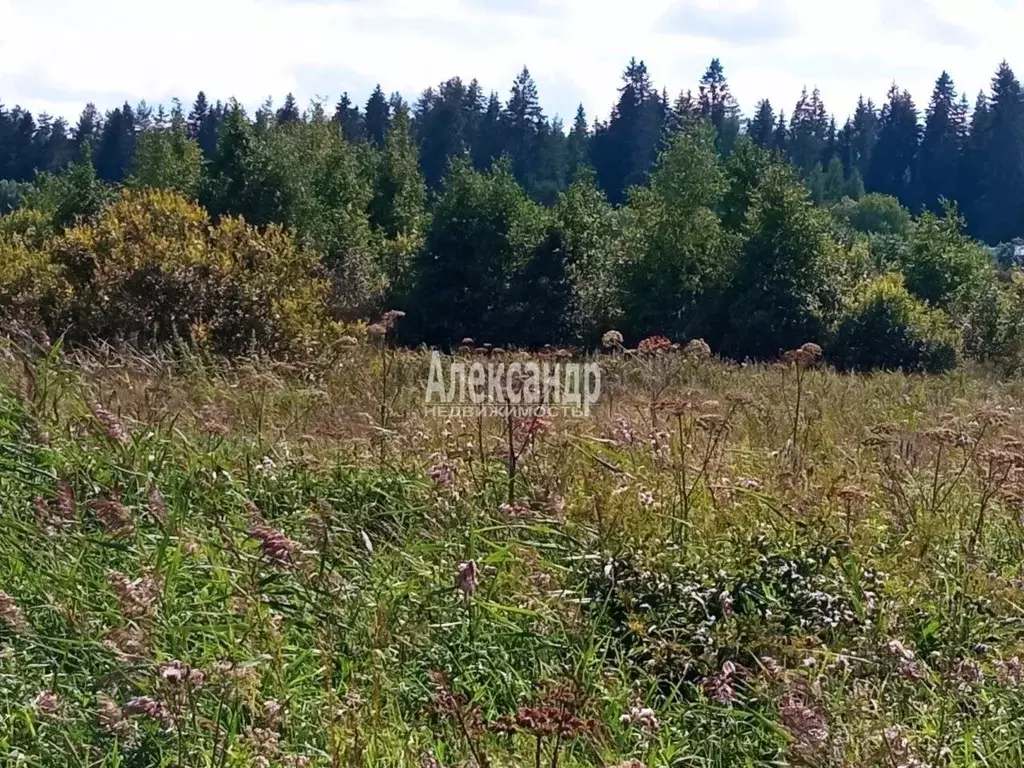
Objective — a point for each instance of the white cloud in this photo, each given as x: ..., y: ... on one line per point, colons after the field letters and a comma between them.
x: 57, y: 54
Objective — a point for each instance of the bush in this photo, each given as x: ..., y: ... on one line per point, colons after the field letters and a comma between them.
x: 888, y: 328
x: 151, y: 269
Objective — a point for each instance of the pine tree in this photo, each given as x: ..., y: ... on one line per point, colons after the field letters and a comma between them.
x: 894, y: 159
x: 377, y: 117
x: 718, y: 105
x: 289, y: 111
x: 762, y: 128
x: 1003, y: 191
x: 939, y: 158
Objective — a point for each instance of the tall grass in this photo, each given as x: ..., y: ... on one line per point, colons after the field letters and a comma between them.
x: 249, y: 564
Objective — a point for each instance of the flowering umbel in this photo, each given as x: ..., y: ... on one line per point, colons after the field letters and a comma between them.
x: 10, y: 613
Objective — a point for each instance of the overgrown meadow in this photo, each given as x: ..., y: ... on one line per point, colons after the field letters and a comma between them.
x: 254, y: 564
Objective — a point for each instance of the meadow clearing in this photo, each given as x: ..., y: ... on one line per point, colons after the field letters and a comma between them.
x: 257, y: 564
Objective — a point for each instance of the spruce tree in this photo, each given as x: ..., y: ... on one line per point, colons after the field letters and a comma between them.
x: 523, y: 123
x: 718, y: 105
x: 116, y: 146
x: 972, y: 171
x: 377, y: 117
x: 348, y: 119
x: 762, y: 127
x: 490, y: 140
x: 1003, y: 190
x: 289, y: 111
x: 579, y: 137
x: 894, y: 159
x: 939, y: 158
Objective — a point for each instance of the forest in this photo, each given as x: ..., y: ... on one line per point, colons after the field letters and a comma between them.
x: 889, y: 241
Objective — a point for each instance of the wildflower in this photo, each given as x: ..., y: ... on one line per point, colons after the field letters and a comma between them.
x: 515, y: 510
x: 631, y: 764
x: 178, y: 673
x: 47, y: 703
x: 65, y: 500
x: 719, y: 687
x: 113, y: 428
x: 390, y: 318
x: 697, y: 349
x: 611, y: 340
x: 112, y: 718
x: 136, y: 598
x: 654, y: 345
x: 263, y: 742
x: 966, y: 674
x: 367, y: 544
x: 146, y: 706
x: 113, y: 516
x: 623, y: 433
x: 211, y: 422
x: 347, y: 341
x: 277, y: 549
x: 467, y: 578
x: 266, y: 466
x: 376, y: 331
x: 808, y: 356
x: 443, y: 474
x: 157, y: 506
x: 128, y: 643
x: 10, y: 613
x: 643, y: 718
x: 805, y: 724
x: 271, y: 708
x: 1010, y: 673
x: 427, y: 760
x: 646, y: 499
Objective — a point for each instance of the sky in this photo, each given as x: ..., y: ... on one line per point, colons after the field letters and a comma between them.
x: 56, y: 55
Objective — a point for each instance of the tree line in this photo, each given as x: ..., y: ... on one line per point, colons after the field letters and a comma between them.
x: 970, y: 154
x: 487, y: 220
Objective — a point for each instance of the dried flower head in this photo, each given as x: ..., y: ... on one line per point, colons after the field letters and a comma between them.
x: 654, y: 345
x: 113, y: 516
x: 136, y: 598
x: 443, y: 474
x: 47, y: 703
x: 277, y: 549
x: 128, y: 643
x: 805, y: 723
x: 697, y: 350
x: 807, y: 356
x: 611, y: 340
x: 467, y: 578
x: 10, y: 613
x: 110, y: 423
x: 376, y: 331
x: 177, y: 673
x: 390, y: 318
x: 147, y: 706
x: 156, y: 504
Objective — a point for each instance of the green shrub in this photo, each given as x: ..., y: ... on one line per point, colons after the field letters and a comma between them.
x: 151, y: 269
x: 888, y: 328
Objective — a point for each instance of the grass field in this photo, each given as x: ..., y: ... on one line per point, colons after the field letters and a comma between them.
x: 253, y: 564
